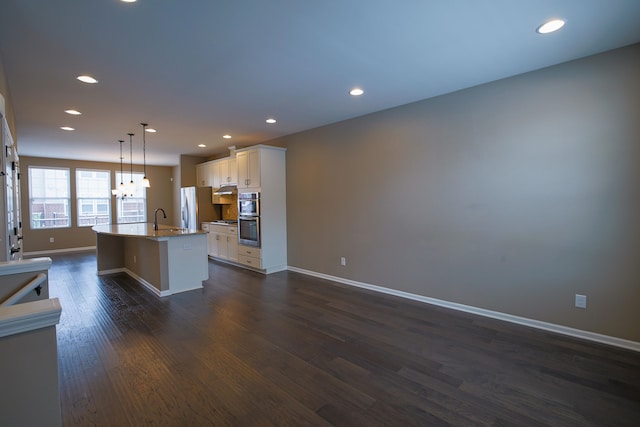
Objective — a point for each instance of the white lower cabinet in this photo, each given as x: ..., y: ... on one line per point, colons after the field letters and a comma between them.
x: 232, y: 246
x: 222, y: 241
x: 212, y: 243
x: 250, y: 256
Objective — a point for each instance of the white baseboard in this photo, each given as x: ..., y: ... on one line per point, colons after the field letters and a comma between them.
x: 60, y: 251
x: 147, y: 284
x: 276, y: 269
x: 551, y: 327
x: 112, y: 271
x: 136, y: 277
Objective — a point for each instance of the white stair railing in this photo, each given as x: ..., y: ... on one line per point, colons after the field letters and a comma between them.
x: 34, y: 284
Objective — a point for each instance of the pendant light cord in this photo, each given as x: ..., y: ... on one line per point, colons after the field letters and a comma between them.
x: 131, y: 157
x: 121, y: 158
x: 144, y: 148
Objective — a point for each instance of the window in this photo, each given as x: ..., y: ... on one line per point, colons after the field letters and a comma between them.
x: 132, y: 207
x: 49, y: 197
x: 93, y: 195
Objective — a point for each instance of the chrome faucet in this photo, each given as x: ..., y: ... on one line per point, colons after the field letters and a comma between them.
x: 155, y: 218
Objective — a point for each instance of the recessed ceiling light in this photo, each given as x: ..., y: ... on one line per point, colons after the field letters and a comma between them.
x: 202, y: 146
x: 150, y: 130
x: 128, y: 1
x: 356, y: 91
x: 73, y: 112
x: 66, y: 128
x: 551, y: 26
x: 270, y: 120
x: 227, y: 136
x: 87, y: 79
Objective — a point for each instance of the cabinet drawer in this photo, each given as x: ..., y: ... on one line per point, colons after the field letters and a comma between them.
x: 232, y: 230
x: 250, y: 261
x: 219, y: 228
x: 249, y: 251
x: 206, y: 227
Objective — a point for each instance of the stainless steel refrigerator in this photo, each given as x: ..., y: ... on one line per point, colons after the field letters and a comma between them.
x: 196, y: 207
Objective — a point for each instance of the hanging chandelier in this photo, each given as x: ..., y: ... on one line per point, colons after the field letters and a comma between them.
x: 123, y: 191
x: 119, y: 191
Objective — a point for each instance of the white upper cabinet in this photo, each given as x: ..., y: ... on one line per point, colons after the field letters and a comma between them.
x: 200, y: 175
x: 215, y: 172
x: 227, y: 172
x: 233, y: 172
x: 248, y: 168
x: 204, y: 174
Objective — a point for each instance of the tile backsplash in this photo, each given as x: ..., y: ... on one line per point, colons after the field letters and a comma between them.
x: 230, y: 211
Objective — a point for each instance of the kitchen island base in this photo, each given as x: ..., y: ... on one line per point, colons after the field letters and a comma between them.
x: 165, y: 261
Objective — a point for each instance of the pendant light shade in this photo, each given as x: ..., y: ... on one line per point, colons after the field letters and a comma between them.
x: 145, y: 180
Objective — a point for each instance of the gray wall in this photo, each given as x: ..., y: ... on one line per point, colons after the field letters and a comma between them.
x: 159, y: 195
x: 30, y: 394
x: 188, y: 170
x: 511, y: 196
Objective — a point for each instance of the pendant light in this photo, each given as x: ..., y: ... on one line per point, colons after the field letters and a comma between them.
x: 121, y: 186
x: 132, y: 185
x: 145, y: 180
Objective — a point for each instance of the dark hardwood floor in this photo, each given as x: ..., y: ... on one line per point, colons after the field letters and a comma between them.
x: 287, y: 349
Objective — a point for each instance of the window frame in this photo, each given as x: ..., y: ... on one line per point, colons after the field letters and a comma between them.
x: 121, y: 201
x: 95, y: 200
x: 32, y: 199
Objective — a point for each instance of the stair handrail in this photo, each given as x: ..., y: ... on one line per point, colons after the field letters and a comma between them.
x: 34, y: 284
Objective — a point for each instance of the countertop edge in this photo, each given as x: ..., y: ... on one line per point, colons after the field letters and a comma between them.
x: 145, y: 230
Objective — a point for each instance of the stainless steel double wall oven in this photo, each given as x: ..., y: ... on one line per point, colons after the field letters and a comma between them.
x: 249, y: 219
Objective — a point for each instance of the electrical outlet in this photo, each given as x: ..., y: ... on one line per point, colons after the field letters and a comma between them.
x: 134, y: 259
x: 343, y: 261
x: 581, y: 301
x: 51, y: 240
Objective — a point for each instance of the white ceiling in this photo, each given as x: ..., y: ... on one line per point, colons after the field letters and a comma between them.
x: 198, y: 69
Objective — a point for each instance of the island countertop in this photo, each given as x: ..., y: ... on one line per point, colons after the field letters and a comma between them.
x: 144, y: 229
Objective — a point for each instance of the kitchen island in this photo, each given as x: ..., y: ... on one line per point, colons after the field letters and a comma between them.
x: 166, y: 261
